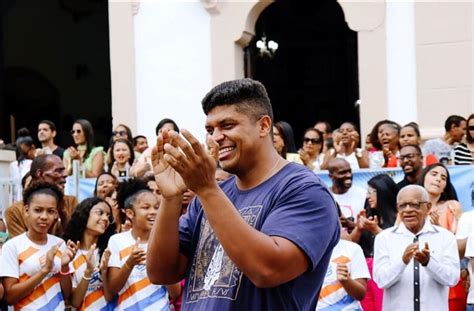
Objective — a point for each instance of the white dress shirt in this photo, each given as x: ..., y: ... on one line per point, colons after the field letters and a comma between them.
x: 397, y: 278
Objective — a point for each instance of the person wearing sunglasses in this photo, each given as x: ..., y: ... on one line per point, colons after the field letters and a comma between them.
x: 415, y: 261
x: 464, y: 152
x: 311, y: 152
x: 91, y: 158
x: 122, y: 131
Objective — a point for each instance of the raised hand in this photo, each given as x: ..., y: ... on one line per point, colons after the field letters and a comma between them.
x: 73, y: 153
x: 423, y: 256
x: 137, y: 256
x: 90, y: 261
x: 69, y: 252
x: 434, y: 218
x: 409, y: 252
x: 342, y: 272
x: 371, y: 224
x: 361, y: 218
x: 212, y: 147
x: 47, y: 261
x: 190, y: 160
x: 168, y: 180
x: 104, y: 263
x: 115, y: 170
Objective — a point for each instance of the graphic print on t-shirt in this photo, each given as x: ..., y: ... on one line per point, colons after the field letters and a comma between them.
x: 213, y: 274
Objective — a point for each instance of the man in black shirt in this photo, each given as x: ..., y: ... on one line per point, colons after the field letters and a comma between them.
x: 411, y: 161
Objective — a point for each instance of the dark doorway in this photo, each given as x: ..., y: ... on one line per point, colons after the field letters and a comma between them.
x: 313, y: 75
x: 55, y: 65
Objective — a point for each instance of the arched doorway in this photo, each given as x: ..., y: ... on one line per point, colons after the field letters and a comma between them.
x: 313, y: 75
x: 55, y: 64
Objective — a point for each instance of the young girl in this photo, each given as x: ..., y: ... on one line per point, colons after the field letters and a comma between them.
x: 121, y: 157
x: 127, y: 272
x: 91, y: 225
x: 410, y: 135
x: 35, y: 264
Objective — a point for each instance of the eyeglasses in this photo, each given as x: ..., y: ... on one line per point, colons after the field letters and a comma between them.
x: 415, y: 205
x: 371, y: 191
x: 76, y: 131
x: 314, y: 141
x: 119, y: 133
x: 470, y: 127
x: 408, y: 156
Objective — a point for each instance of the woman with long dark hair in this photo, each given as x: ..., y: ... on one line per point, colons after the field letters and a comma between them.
x: 283, y: 138
x: 446, y: 212
x: 445, y: 208
x: 90, y: 224
x: 91, y: 158
x: 380, y: 212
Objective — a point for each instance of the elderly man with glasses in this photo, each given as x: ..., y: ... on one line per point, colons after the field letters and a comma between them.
x: 415, y: 262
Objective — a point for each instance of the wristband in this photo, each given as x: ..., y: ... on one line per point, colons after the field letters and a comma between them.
x: 68, y: 272
x: 87, y: 278
x: 126, y: 266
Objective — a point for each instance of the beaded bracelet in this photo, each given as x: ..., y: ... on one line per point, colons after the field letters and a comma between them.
x: 68, y: 272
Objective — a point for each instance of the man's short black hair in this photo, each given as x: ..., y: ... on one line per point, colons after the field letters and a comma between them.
x: 248, y: 95
x: 453, y: 119
x: 418, y: 149
x: 136, y: 138
x: 51, y: 124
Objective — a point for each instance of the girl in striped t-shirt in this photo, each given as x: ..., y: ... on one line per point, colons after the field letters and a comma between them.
x: 127, y: 271
x: 34, y: 265
x: 91, y: 225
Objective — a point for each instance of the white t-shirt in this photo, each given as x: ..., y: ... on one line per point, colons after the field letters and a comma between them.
x: 466, y: 230
x: 351, y: 158
x: 332, y: 292
x: 351, y: 202
x: 94, y: 298
x: 21, y: 260
x: 138, y: 291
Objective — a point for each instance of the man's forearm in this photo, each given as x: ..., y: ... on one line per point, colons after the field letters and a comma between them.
x: 163, y: 255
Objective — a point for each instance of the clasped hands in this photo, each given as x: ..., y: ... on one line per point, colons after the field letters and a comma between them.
x: 183, y: 163
x: 413, y: 251
x: 365, y: 223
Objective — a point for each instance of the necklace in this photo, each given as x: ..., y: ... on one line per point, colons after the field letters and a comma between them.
x: 269, y: 174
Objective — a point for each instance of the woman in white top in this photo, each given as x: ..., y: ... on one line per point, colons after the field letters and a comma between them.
x: 91, y: 225
x: 35, y: 265
x: 345, y: 146
x: 126, y: 271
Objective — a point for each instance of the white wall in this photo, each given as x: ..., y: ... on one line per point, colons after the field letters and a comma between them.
x: 173, y: 65
x: 401, y: 61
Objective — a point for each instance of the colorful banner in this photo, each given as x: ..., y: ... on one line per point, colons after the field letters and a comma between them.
x: 462, y: 177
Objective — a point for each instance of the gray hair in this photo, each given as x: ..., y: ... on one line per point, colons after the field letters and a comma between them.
x: 420, y: 189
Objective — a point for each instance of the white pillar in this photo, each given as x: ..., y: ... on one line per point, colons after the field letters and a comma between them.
x: 173, y: 64
x: 401, y: 61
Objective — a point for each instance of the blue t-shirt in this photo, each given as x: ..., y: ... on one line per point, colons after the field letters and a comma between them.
x: 293, y: 204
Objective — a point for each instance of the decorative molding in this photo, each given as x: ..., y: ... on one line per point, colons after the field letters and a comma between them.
x: 210, y: 6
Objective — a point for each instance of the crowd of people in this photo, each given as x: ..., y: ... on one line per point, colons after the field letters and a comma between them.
x: 243, y: 222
